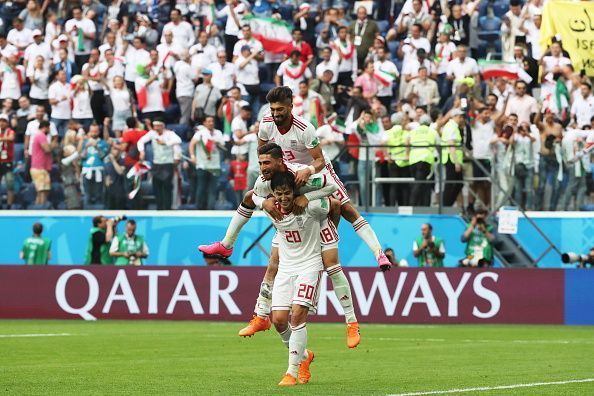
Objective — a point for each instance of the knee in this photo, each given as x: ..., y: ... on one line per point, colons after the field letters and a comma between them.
x: 279, y: 322
x: 298, y: 316
x: 349, y: 212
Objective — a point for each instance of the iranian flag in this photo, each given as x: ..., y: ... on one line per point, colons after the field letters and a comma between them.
x: 510, y: 70
x: 315, y: 112
x: 274, y: 34
x: 385, y: 78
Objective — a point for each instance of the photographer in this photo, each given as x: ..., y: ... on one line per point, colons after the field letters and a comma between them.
x: 479, y: 238
x: 99, y: 240
x: 429, y: 249
x: 129, y: 248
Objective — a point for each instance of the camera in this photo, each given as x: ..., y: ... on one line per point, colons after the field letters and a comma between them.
x: 581, y: 259
x: 117, y: 219
x: 473, y: 262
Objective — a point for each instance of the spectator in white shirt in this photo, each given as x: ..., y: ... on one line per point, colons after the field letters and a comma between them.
x: 168, y: 49
x: 183, y: 33
x: 166, y: 155
x: 7, y: 49
x: 582, y: 109
x: 33, y: 127
x: 185, y: 85
x: 224, y: 74
x: 109, y: 69
x: 59, y: 99
x: 13, y: 76
x: 444, y: 52
x: 39, y: 79
x: 135, y: 54
x: 19, y: 36
x: 327, y: 63
x: 554, y: 62
x: 292, y: 71
x: 37, y: 48
x: 247, y: 75
x: 204, y: 153
x: 249, y: 40
x: 203, y: 54
x: 92, y: 73
x: 83, y: 34
x: 234, y: 11
x: 53, y: 27
x: 122, y: 105
x: 239, y: 128
x: 522, y: 104
x: 461, y: 67
x: 387, y: 72
x: 81, y: 102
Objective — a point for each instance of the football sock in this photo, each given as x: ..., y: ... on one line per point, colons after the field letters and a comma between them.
x: 285, y: 336
x: 342, y: 289
x: 297, y: 344
x: 239, y: 219
x: 363, y: 229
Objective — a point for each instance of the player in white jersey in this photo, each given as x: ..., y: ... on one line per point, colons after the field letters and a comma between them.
x: 296, y: 289
x: 318, y: 186
x: 299, y: 142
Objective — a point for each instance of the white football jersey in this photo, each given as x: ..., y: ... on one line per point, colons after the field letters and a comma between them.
x: 299, y: 241
x: 295, y: 142
x: 315, y: 181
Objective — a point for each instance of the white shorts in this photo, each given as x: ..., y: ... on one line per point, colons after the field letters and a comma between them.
x: 328, y: 236
x: 341, y: 193
x: 302, y: 289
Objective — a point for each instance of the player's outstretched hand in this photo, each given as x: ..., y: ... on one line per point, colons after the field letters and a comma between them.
x: 299, y: 204
x: 269, y: 206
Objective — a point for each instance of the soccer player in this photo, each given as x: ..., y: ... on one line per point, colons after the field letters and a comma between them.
x: 299, y: 143
x: 318, y: 186
x: 299, y: 272
x: 36, y: 249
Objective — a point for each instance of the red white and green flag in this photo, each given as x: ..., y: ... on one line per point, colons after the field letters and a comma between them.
x: 274, y: 34
x: 315, y: 112
x: 510, y: 70
x: 385, y: 78
x: 227, y: 117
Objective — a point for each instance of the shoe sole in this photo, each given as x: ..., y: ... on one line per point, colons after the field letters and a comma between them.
x: 253, y: 334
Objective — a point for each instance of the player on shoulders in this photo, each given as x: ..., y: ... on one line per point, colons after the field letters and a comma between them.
x: 300, y: 145
x: 296, y: 289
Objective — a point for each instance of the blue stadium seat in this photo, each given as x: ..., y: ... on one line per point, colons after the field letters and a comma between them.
x: 45, y: 206
x: 489, y: 34
x: 264, y: 74
x: 489, y: 24
x: 94, y: 207
x: 180, y: 130
x: 27, y: 195
x: 383, y: 27
x: 56, y: 194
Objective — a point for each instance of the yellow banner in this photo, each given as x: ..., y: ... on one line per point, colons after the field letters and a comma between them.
x: 574, y: 22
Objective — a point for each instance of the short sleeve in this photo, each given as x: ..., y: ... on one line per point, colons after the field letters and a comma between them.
x: 310, y: 138
x: 263, y: 132
x: 262, y: 188
x: 319, y: 208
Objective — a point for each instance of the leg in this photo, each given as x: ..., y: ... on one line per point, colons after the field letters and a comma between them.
x: 366, y: 233
x: 212, y: 191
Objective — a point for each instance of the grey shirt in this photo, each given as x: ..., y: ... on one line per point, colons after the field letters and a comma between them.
x: 200, y: 96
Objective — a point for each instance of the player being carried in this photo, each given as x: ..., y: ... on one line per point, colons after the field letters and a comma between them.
x: 297, y: 284
x: 318, y: 186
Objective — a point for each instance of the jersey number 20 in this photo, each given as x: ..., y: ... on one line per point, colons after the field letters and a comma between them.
x: 292, y: 236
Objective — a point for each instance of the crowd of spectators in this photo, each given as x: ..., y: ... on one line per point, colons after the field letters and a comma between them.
x: 134, y: 104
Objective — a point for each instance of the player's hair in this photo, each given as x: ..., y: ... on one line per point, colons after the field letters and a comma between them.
x: 132, y: 221
x: 272, y: 149
x: 97, y: 220
x: 131, y: 122
x: 280, y: 94
x: 37, y: 228
x: 283, y: 179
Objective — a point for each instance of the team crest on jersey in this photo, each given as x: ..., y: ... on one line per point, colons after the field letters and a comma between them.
x: 315, y: 142
x: 294, y: 144
x: 317, y: 182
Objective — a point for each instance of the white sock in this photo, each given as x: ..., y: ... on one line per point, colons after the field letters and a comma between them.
x: 342, y: 289
x: 239, y: 219
x: 297, y: 344
x: 285, y: 336
x: 363, y: 229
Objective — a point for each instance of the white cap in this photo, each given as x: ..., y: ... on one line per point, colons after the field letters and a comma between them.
x: 4, y: 117
x: 37, y: 32
x: 457, y: 112
x: 62, y: 37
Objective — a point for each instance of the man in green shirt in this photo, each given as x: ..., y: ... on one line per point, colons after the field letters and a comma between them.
x: 36, y: 249
x: 129, y: 248
x: 428, y: 249
x: 479, y: 237
x: 99, y: 240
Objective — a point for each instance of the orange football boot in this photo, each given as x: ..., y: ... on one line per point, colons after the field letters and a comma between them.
x: 288, y: 380
x: 256, y: 324
x: 304, y: 374
x: 353, y: 334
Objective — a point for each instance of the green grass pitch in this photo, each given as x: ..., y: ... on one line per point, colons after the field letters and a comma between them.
x: 161, y: 357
